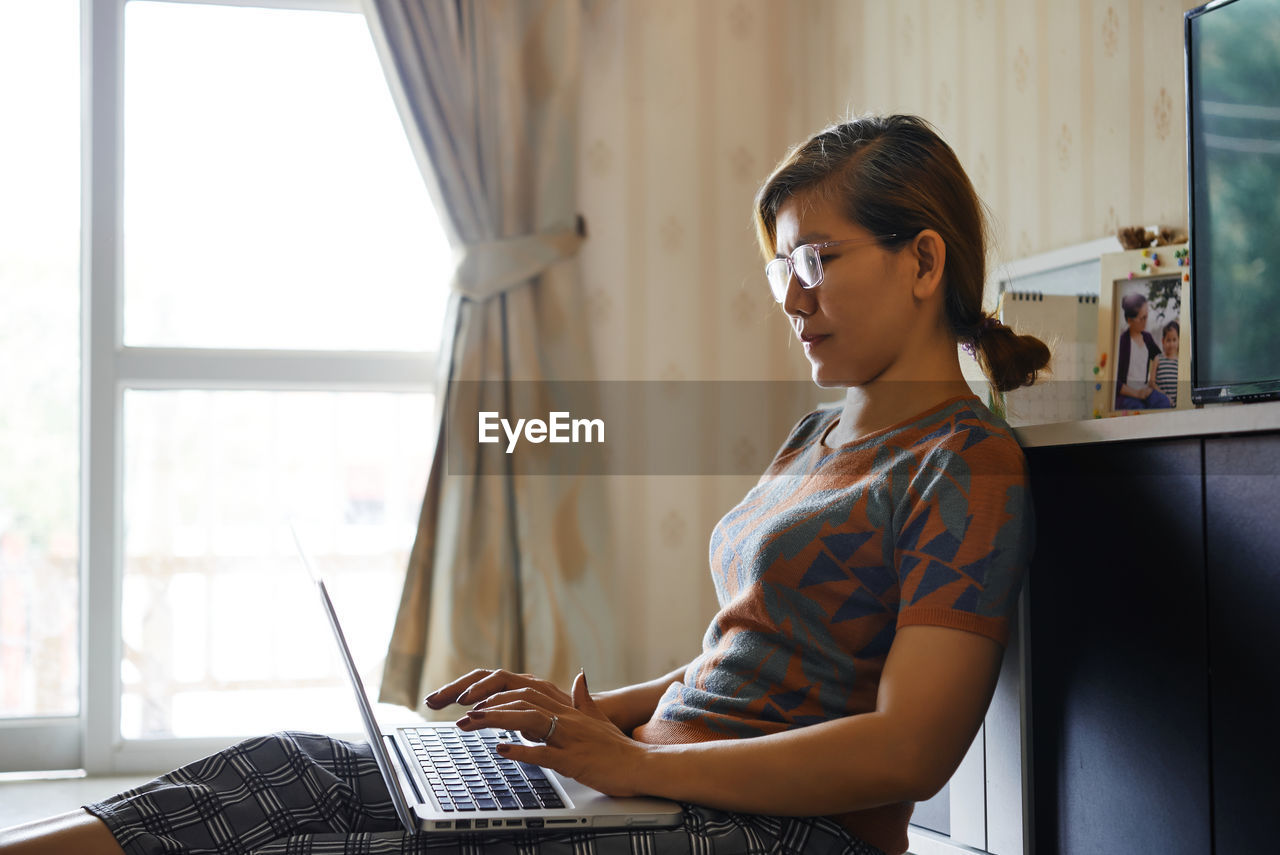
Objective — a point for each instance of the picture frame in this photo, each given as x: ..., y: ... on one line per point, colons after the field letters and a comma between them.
x: 1153, y: 283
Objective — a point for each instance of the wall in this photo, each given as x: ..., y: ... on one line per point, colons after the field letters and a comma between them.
x: 683, y: 113
x: 1068, y: 117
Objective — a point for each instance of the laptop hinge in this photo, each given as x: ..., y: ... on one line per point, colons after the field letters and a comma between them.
x: 406, y: 773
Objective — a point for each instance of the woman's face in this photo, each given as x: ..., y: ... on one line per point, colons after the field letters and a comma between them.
x: 854, y: 324
x: 1170, y: 343
x: 1138, y: 323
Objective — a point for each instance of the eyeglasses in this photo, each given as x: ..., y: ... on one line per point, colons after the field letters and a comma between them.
x: 806, y: 263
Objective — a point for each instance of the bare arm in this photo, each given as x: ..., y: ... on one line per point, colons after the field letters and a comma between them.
x: 933, y: 694
x: 631, y: 706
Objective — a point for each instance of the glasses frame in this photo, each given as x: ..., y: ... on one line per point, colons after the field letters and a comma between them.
x: 789, y: 261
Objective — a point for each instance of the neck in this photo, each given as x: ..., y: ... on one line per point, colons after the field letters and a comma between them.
x: 886, y: 401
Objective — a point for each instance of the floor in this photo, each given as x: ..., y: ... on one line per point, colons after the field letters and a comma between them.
x: 23, y: 801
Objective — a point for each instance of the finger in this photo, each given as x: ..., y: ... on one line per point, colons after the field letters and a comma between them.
x: 525, y: 695
x: 538, y: 755
x: 496, y: 681
x: 533, y: 724
x: 477, y: 686
x: 484, y: 684
x: 449, y: 693
x: 582, y: 699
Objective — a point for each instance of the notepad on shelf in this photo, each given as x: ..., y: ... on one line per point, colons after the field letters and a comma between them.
x: 1069, y: 326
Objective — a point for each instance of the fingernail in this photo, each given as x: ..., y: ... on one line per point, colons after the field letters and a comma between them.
x: 503, y: 748
x: 463, y: 722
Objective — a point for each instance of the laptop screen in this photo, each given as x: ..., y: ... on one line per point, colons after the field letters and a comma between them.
x: 371, y: 729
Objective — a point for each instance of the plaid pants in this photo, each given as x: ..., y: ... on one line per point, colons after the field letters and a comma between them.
x: 304, y: 794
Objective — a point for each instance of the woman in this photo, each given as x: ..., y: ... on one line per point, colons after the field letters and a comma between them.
x: 1135, y: 390
x: 865, y: 582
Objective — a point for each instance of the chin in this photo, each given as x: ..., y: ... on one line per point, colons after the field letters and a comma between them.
x: 841, y: 374
x: 828, y: 379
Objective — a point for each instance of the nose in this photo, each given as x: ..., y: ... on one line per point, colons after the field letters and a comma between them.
x: 799, y: 301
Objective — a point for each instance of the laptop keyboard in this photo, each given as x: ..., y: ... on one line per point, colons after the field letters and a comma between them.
x: 466, y: 773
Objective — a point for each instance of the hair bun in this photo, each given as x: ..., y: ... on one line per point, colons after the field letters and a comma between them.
x: 1010, y: 360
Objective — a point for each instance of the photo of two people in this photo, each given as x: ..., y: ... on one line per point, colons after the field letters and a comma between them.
x: 1150, y: 334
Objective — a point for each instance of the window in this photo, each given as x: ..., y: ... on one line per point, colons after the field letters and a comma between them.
x: 222, y: 633
x: 270, y: 197
x: 39, y: 375
x: 259, y: 337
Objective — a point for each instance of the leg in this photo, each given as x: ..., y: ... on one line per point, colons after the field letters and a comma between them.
x: 76, y: 831
x: 247, y: 795
x: 705, y: 832
x: 235, y: 800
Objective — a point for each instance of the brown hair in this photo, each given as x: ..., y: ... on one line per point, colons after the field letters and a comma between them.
x: 895, y: 175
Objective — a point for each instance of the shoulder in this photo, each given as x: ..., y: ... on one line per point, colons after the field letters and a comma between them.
x: 966, y: 434
x: 800, y: 449
x: 965, y: 527
x: 810, y: 429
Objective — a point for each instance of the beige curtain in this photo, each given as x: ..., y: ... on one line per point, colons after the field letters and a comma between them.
x: 505, y: 570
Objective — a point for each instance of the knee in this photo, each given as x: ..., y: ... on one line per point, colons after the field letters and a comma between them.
x: 77, y: 831
x: 306, y: 753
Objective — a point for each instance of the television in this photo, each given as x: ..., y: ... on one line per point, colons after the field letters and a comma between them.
x: 1233, y: 188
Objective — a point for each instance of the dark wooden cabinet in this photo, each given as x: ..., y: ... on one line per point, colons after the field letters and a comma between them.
x: 1148, y: 669
x: 1242, y: 515
x: 1117, y: 642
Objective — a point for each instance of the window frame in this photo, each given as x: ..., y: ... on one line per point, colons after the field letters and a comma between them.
x: 92, y: 740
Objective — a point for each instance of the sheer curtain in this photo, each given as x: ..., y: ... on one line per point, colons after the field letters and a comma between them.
x: 506, y: 566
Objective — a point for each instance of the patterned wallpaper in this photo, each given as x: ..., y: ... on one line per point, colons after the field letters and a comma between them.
x: 1067, y: 115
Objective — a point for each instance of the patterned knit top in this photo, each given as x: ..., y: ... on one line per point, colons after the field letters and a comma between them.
x: 834, y: 549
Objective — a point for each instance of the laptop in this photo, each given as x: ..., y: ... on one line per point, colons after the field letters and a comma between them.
x: 444, y: 779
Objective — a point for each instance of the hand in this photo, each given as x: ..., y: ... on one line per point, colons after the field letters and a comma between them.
x: 583, y: 744
x: 1144, y: 393
x: 484, y: 683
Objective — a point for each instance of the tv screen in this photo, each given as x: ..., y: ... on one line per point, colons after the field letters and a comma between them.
x: 1233, y: 152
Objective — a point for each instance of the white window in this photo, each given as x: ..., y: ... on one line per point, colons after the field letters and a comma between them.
x: 40, y: 669
x: 263, y: 287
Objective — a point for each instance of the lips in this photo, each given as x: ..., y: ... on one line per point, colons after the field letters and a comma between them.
x: 810, y: 340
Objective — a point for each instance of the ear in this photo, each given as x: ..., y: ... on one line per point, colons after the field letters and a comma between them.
x: 930, y: 254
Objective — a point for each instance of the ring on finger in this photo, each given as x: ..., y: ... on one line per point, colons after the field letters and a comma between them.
x: 555, y: 719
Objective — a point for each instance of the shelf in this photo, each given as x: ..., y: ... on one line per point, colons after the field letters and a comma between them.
x: 1209, y: 420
